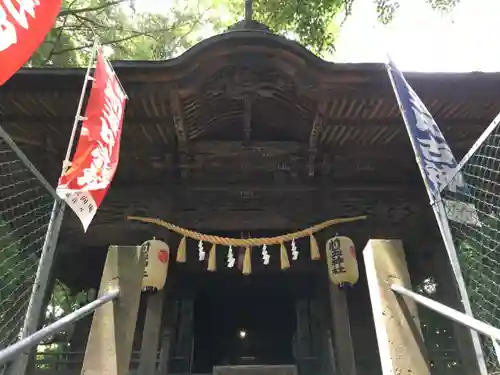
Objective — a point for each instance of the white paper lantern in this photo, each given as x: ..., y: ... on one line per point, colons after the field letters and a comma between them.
x: 157, y: 258
x: 341, y: 261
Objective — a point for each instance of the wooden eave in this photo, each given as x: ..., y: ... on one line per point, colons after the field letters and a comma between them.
x: 220, y: 134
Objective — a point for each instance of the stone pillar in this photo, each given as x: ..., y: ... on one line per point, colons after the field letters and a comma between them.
x: 110, y: 340
x: 400, y: 342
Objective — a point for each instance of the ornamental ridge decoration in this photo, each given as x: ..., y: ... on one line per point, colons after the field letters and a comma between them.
x: 244, y: 82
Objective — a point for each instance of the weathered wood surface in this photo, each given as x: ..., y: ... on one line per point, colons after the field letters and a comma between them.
x: 341, y: 327
x: 247, y: 132
x: 151, y: 333
x: 250, y: 93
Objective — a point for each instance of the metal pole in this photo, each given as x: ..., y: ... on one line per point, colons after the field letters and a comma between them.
x: 80, y: 105
x: 444, y: 229
x: 450, y: 313
x: 248, y: 10
x: 34, y: 339
x: 35, y: 306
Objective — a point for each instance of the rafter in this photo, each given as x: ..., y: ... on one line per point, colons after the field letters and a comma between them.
x: 395, y: 121
x: 316, y: 129
x: 180, y: 127
x: 247, y: 120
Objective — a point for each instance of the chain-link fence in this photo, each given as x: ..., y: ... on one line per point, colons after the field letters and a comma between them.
x: 25, y: 209
x: 473, y: 213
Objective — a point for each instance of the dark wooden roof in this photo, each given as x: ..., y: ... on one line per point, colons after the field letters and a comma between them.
x: 246, y: 129
x: 345, y: 112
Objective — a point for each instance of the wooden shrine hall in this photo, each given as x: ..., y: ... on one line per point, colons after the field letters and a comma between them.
x: 248, y: 134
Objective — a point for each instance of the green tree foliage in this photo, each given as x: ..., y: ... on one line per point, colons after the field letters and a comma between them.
x: 16, y: 275
x: 315, y: 23
x: 56, y: 347
x: 117, y: 24
x: 479, y: 256
x: 438, y: 332
x: 162, y: 33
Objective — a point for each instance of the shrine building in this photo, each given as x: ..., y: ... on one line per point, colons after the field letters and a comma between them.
x: 247, y: 135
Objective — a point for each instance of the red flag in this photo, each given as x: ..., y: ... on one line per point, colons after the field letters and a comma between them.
x: 94, y: 164
x: 23, y: 27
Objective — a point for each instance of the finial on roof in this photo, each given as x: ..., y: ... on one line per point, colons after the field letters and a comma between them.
x: 248, y: 23
x: 248, y: 10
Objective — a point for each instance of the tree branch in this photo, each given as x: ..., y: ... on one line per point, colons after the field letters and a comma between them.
x: 88, y: 45
x: 68, y: 11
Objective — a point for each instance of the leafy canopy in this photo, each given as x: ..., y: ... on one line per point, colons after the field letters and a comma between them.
x: 139, y: 35
x: 117, y: 24
x: 316, y: 23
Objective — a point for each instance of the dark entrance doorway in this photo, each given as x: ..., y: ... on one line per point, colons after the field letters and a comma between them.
x: 243, y: 320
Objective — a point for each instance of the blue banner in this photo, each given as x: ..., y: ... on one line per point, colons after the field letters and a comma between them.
x: 434, y: 156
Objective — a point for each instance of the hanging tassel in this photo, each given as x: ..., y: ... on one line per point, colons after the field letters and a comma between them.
x: 230, y: 257
x: 212, y: 259
x: 285, y: 263
x: 247, y: 262
x: 181, y: 251
x: 314, y: 248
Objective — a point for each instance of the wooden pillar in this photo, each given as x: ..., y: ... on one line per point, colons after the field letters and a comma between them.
x: 166, y: 342
x: 303, y: 348
x: 341, y: 327
x: 316, y: 323
x: 110, y: 340
x: 151, y: 333
x: 400, y: 341
x: 184, y: 345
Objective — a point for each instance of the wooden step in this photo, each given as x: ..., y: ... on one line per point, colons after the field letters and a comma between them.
x: 256, y: 370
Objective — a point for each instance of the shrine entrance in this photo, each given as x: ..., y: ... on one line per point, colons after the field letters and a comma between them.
x: 247, y: 320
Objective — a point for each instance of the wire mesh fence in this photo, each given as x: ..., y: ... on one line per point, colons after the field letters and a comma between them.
x: 25, y: 208
x: 473, y: 210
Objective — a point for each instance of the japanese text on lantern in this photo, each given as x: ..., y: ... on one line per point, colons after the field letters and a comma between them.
x: 146, y: 246
x: 338, y: 264
x: 8, y: 33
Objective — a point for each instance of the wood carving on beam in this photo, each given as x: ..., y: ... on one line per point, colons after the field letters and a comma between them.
x: 247, y: 120
x: 180, y: 127
x: 13, y: 123
x: 317, y: 126
x: 239, y: 82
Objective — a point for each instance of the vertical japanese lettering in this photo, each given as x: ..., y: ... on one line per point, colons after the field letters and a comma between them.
x: 338, y: 264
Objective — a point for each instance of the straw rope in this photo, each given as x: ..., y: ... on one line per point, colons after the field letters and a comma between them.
x: 245, y: 242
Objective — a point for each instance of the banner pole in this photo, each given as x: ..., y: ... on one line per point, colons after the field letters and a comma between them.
x: 35, y: 307
x: 78, y: 116
x: 445, y: 231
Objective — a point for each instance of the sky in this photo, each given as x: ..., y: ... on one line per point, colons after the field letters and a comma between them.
x: 418, y: 39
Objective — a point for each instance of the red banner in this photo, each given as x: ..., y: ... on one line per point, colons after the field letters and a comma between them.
x: 23, y: 27
x: 94, y: 164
